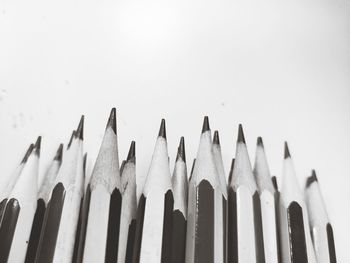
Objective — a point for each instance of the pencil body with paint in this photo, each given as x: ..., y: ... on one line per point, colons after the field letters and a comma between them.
x: 321, y: 228
x: 154, y: 212
x: 57, y: 238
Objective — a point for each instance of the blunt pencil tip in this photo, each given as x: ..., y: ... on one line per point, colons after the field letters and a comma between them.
x: 112, y: 120
x: 181, y: 154
x: 80, y: 130
x: 162, y: 130
x: 37, y: 146
x: 260, y: 142
x: 59, y: 153
x: 240, y: 137
x: 312, y: 178
x: 286, y: 151
x: 205, y: 126
x: 132, y: 152
x: 216, y: 139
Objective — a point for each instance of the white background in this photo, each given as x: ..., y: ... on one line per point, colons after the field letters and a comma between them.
x: 281, y: 68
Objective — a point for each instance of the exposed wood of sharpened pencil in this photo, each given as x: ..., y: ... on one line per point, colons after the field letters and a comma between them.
x: 180, y: 188
x: 296, y: 246
x: 19, y: 211
x: 200, y: 237
x: 154, y: 212
x: 58, y: 234
x: 43, y: 197
x: 268, y: 204
x: 102, y: 232
x: 221, y: 201
x: 129, y: 207
x: 244, y: 212
x: 6, y: 190
x: 321, y: 228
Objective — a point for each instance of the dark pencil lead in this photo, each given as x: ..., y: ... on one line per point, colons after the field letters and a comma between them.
x: 240, y: 137
x: 286, y: 151
x: 231, y: 171
x: 193, y: 164
x: 84, y: 164
x: 274, y: 182
x: 216, y: 139
x: 131, y: 155
x: 206, y: 126
x: 71, y: 139
x: 312, y: 178
x: 181, y: 150
x: 260, y: 142
x: 121, y: 169
x: 37, y: 146
x: 80, y: 130
x: 28, y: 152
x: 59, y: 153
x: 162, y: 131
x: 112, y: 121
x: 232, y: 164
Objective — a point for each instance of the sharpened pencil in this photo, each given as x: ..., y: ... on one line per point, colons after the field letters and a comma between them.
x: 180, y: 188
x: 57, y: 238
x: 43, y: 197
x: 296, y: 246
x: 129, y: 207
x: 102, y: 231
x: 245, y: 241
x: 19, y: 211
x: 268, y: 204
x: 155, y: 208
x: 203, y: 194
x: 321, y: 228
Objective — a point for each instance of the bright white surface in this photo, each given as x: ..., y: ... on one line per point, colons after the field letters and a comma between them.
x: 280, y: 68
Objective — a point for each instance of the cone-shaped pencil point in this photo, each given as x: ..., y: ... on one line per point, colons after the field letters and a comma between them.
x: 240, y: 137
x: 216, y: 139
x: 162, y: 131
x: 131, y: 154
x: 205, y: 126
x: 260, y: 142
x: 28, y: 152
x: 181, y: 150
x: 71, y: 139
x: 312, y: 178
x: 286, y: 151
x: 112, y: 121
x: 37, y: 146
x: 80, y: 130
x: 59, y: 153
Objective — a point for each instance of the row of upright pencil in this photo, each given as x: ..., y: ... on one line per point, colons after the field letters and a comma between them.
x: 201, y: 219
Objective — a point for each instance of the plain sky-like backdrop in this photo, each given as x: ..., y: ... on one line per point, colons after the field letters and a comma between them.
x: 281, y: 68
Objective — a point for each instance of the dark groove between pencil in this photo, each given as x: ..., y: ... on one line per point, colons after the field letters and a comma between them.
x: 232, y: 239
x: 139, y: 227
x: 224, y: 212
x: 178, y: 243
x: 35, y: 232
x: 259, y: 239
x: 113, y: 227
x: 331, y: 245
x: 130, y: 242
x: 167, y: 227
x: 278, y: 234
x: 78, y: 231
x: 8, y: 227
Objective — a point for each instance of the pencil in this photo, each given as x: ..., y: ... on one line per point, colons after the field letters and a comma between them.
x: 231, y: 172
x: 58, y: 234
x: 180, y: 188
x: 19, y: 211
x: 204, y: 189
x: 102, y: 231
x: 221, y: 202
x: 154, y: 212
x: 6, y: 190
x: 244, y: 212
x: 296, y: 246
x: 268, y: 203
x: 129, y: 207
x: 321, y: 228
x: 43, y: 198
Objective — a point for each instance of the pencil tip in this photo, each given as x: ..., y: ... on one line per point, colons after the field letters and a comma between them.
x: 71, y: 139
x: 274, y: 182
x: 240, y: 137
x: 312, y: 178
x: 28, y: 152
x: 260, y: 142
x: 286, y: 151
x: 80, y: 130
x: 59, y: 153
x: 37, y: 146
x: 162, y: 131
x: 216, y: 139
x: 131, y: 155
x: 181, y: 150
x: 112, y: 121
x: 206, y: 126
